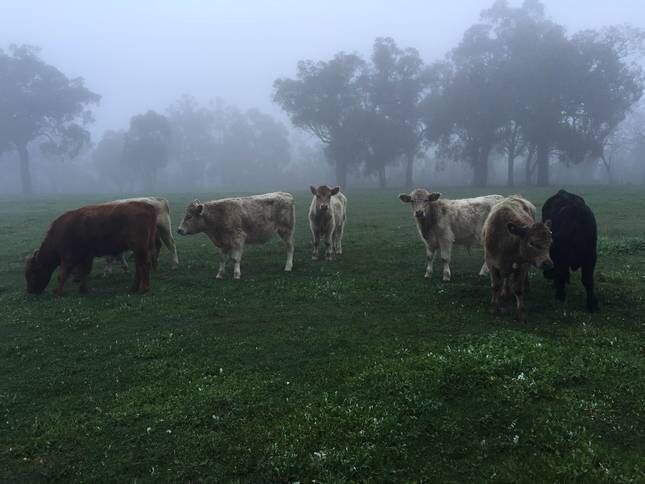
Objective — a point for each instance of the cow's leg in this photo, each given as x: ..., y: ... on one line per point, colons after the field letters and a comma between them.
x: 329, y: 253
x: 315, y: 236
x: 429, y: 261
x: 143, y: 261
x: 484, y: 270
x: 287, y: 238
x: 124, y: 261
x: 445, y: 250
x: 222, y: 264
x: 519, y: 290
x: 560, y: 278
x: 236, y: 255
x: 155, y: 254
x: 64, y: 272
x: 338, y: 243
x: 496, y: 284
x: 84, y: 269
x: 109, y: 260
x: 587, y: 281
x: 166, y: 237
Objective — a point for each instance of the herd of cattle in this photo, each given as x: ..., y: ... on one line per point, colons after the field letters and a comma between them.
x: 513, y: 240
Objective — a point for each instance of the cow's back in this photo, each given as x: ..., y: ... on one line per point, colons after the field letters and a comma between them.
x: 466, y: 216
x: 104, y: 229
x: 500, y: 245
x: 256, y: 218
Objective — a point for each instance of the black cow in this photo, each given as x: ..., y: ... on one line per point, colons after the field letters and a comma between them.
x: 574, y: 242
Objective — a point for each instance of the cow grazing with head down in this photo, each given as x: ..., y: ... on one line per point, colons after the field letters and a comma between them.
x: 164, y: 231
x: 575, y: 237
x: 231, y: 223
x: 77, y: 236
x: 327, y: 216
x: 513, y: 241
x: 443, y: 223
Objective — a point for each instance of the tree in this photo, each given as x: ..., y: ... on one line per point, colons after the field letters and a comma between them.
x: 38, y: 103
x: 396, y: 82
x: 109, y: 160
x: 327, y: 100
x: 147, y: 146
x: 464, y: 110
x: 193, y: 138
x: 563, y: 93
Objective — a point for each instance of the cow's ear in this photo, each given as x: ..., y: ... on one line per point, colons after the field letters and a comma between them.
x: 313, y: 189
x: 405, y: 198
x: 434, y: 196
x: 199, y: 208
x: 517, y: 230
x: 335, y: 190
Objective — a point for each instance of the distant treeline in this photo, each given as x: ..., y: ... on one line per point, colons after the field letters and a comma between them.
x: 519, y: 98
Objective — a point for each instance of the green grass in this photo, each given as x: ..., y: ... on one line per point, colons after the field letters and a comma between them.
x: 354, y: 370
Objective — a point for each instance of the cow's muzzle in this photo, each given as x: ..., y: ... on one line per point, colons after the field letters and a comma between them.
x: 181, y: 231
x: 419, y: 214
x: 547, y: 264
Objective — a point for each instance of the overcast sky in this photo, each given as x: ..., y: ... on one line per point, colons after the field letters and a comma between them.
x: 142, y: 55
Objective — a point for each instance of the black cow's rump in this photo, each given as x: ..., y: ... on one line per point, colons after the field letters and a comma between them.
x: 574, y: 242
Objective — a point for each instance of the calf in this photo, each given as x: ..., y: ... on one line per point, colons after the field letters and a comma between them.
x: 574, y: 243
x: 443, y: 223
x: 327, y: 216
x: 513, y: 241
x: 77, y: 236
x: 164, y: 231
x: 231, y: 223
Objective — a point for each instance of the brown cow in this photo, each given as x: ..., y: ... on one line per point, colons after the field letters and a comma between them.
x: 77, y: 236
x: 513, y: 241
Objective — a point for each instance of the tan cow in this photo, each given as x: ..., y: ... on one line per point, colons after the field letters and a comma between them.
x: 231, y: 223
x: 513, y: 241
x: 327, y: 216
x: 164, y: 230
x: 443, y: 223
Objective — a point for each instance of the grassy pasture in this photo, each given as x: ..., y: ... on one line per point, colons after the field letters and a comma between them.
x: 352, y: 370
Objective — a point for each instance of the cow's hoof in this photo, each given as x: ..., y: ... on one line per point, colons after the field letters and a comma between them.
x: 446, y: 278
x: 219, y: 276
x: 428, y: 275
x: 236, y: 277
x: 314, y: 257
x: 287, y: 269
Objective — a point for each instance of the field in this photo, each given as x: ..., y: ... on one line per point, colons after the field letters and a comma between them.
x: 353, y: 370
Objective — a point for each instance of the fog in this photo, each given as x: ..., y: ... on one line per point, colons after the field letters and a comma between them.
x: 224, y: 58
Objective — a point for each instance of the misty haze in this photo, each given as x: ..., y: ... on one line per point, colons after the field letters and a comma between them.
x: 362, y: 241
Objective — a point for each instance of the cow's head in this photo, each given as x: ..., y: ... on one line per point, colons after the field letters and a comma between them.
x: 420, y: 200
x: 193, y: 221
x: 322, y: 197
x: 535, y: 242
x: 37, y: 274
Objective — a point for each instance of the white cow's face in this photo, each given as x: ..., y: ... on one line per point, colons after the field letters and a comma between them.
x: 419, y: 200
x: 322, y: 197
x: 193, y: 221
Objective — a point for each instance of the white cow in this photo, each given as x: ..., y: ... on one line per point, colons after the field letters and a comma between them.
x: 443, y: 223
x: 327, y: 216
x: 164, y: 230
x: 231, y: 223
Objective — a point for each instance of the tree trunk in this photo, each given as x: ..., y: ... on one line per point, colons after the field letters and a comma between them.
x: 607, y: 167
x: 480, y: 168
x: 341, y: 174
x: 510, y: 181
x: 528, y: 170
x: 382, y: 181
x: 542, y: 165
x: 409, y: 166
x: 25, y: 173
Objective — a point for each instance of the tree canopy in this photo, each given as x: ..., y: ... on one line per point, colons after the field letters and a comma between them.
x: 39, y: 104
